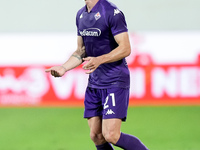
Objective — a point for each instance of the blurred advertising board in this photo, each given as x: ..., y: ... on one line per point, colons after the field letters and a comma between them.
x: 164, y: 68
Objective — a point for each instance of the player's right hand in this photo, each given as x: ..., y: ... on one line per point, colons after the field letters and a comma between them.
x: 56, y: 71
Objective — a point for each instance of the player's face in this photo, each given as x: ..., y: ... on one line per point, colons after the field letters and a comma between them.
x: 90, y: 2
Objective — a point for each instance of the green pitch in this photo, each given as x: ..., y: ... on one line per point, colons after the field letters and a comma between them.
x: 160, y: 128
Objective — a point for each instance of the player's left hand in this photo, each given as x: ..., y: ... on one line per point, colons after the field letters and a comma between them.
x: 92, y: 64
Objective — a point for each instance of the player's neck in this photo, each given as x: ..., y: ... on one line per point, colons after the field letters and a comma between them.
x: 90, y: 4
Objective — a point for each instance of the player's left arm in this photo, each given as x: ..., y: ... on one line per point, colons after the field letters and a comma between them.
x: 123, y: 50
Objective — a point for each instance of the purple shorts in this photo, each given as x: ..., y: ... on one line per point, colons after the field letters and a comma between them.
x: 108, y: 103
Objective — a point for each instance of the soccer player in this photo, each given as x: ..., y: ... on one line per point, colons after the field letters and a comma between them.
x: 103, y: 43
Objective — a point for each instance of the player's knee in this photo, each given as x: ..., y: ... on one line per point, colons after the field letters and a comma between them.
x: 96, y: 138
x: 111, y: 137
x: 93, y: 136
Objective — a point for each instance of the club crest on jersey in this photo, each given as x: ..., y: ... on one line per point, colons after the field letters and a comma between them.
x: 97, y: 16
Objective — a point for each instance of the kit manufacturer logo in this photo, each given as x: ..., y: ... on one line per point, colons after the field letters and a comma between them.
x: 110, y: 112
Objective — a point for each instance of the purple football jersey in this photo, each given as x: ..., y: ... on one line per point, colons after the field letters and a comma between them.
x: 98, y: 28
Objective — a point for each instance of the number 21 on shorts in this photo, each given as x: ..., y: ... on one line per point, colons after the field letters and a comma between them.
x: 112, y: 95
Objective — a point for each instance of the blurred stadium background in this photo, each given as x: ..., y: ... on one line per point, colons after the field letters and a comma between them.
x: 38, y: 112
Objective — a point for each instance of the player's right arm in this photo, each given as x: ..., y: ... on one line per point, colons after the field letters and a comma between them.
x: 75, y: 60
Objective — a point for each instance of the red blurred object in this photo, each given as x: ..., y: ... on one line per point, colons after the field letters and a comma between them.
x: 151, y: 84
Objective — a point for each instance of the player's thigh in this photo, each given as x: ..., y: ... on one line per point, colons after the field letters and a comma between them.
x: 95, y: 124
x: 111, y: 129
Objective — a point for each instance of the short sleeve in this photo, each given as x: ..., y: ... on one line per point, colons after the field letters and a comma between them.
x: 117, y: 22
x: 77, y: 23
